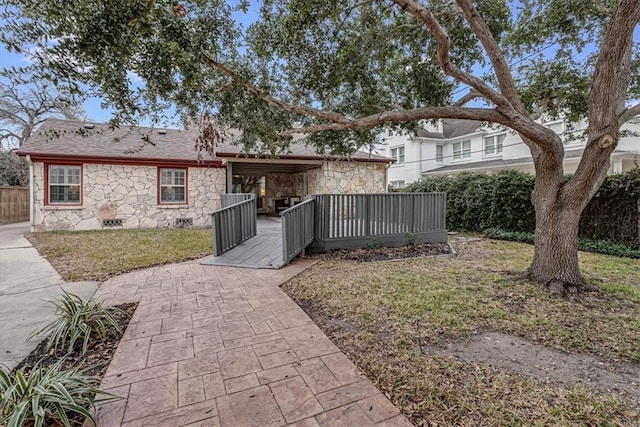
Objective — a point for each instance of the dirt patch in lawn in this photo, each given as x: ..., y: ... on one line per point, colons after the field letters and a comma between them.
x: 495, y: 350
x: 549, y: 366
x: 507, y: 353
x: 389, y: 253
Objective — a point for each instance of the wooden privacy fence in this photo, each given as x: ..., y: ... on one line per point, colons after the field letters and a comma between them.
x: 355, y: 220
x: 14, y: 204
x: 233, y: 225
x: 229, y: 199
x: 297, y: 229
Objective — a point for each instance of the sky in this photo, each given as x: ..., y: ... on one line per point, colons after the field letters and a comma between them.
x: 93, y: 108
x: 96, y: 112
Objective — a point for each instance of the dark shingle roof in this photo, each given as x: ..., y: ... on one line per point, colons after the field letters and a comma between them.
x: 452, y: 128
x: 422, y: 133
x: 74, y: 138
x: 68, y: 137
x: 455, y: 128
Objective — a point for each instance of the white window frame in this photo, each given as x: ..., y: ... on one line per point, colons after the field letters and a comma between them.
x: 67, y: 179
x: 462, y: 150
x: 397, y: 153
x: 496, y: 147
x: 440, y: 155
x: 173, y: 181
x: 397, y: 184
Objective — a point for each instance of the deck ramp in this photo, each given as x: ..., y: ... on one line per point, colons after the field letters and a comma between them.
x: 261, y: 251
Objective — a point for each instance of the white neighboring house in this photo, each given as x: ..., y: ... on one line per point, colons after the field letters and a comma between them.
x: 449, y: 147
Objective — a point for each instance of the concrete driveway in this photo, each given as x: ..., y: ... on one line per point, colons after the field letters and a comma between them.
x: 27, y: 284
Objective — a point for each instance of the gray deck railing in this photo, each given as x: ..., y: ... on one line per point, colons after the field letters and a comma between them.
x: 297, y: 229
x: 354, y: 220
x: 233, y: 225
x: 229, y: 199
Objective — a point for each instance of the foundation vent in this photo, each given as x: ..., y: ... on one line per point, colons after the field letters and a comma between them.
x: 183, y: 222
x: 114, y: 222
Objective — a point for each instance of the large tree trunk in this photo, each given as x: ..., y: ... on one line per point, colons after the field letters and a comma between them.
x: 558, y: 206
x: 555, y: 257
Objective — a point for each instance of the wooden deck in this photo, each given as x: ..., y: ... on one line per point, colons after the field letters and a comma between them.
x: 262, y: 251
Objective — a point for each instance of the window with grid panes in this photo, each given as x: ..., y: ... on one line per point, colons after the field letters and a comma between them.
x: 173, y: 186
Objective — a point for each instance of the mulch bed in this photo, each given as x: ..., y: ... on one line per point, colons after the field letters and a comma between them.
x: 388, y: 253
x: 94, y: 362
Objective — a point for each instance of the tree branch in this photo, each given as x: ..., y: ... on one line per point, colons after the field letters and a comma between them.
x: 467, y: 98
x: 442, y: 38
x: 490, y: 45
x: 629, y: 114
x: 602, y: 8
x: 482, y: 114
x: 8, y: 133
x: 309, y: 111
x: 527, y: 128
x: 611, y: 79
x: 613, y: 68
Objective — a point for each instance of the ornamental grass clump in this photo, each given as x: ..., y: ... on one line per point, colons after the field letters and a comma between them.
x: 48, y: 396
x: 75, y: 320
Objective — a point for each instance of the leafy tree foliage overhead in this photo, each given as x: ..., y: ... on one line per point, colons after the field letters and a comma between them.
x: 310, y: 62
x: 342, y: 69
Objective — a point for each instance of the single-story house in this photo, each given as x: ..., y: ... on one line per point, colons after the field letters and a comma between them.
x: 89, y: 176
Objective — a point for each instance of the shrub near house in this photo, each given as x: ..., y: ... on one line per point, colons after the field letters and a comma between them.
x: 477, y: 202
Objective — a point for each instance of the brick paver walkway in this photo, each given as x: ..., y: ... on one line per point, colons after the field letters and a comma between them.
x: 220, y: 346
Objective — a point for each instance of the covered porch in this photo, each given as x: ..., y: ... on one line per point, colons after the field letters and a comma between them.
x: 276, y: 185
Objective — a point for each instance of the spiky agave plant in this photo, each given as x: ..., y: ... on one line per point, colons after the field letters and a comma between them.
x: 77, y: 319
x: 48, y: 394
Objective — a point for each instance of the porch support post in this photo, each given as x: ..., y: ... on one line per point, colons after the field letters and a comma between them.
x: 229, y: 177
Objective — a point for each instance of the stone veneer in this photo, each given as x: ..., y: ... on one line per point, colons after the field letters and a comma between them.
x: 129, y: 193
x: 281, y: 185
x: 333, y: 177
x: 348, y: 178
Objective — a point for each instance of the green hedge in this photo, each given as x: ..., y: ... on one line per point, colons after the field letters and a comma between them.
x: 586, y: 245
x: 613, y: 215
x: 477, y: 202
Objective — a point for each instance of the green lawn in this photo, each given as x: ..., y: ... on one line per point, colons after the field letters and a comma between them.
x: 98, y: 255
x: 383, y: 309
x: 379, y: 311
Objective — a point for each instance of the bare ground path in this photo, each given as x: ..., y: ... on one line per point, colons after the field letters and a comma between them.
x: 223, y: 346
x: 518, y: 355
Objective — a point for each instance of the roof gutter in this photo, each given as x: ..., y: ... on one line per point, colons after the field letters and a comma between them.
x: 122, y: 160
x: 241, y: 156
x: 32, y: 204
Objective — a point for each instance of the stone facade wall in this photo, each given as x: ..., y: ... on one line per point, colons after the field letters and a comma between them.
x: 281, y: 185
x: 129, y: 193
x: 348, y: 178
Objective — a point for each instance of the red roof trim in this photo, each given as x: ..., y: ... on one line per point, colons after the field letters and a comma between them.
x: 142, y: 161
x: 151, y: 161
x: 301, y: 157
